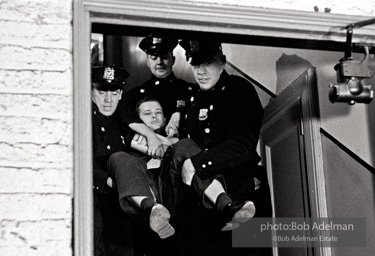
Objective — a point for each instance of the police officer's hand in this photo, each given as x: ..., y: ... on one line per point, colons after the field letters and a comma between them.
x: 155, y: 147
x: 172, y: 127
x: 187, y: 172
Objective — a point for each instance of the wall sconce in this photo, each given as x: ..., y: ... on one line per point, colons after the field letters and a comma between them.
x: 350, y: 87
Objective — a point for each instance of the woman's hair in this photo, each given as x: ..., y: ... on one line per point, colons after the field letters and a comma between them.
x: 143, y: 100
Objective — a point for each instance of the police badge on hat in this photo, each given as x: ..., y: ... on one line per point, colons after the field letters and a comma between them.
x: 200, y: 51
x: 108, y: 78
x: 157, y: 40
x: 203, y: 114
x: 180, y: 104
x: 109, y: 74
x: 155, y: 45
x: 195, y: 46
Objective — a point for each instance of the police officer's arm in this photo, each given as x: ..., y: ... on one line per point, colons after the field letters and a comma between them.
x: 172, y: 127
x: 129, y: 119
x: 188, y: 90
x: 244, y: 116
x: 100, y: 180
x: 155, y: 146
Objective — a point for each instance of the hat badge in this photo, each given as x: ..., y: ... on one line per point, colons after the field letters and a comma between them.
x: 109, y: 74
x: 180, y: 103
x: 194, y: 46
x: 157, y: 40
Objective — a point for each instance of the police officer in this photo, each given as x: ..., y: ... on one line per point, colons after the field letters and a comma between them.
x: 111, y: 224
x: 224, y: 118
x: 163, y: 85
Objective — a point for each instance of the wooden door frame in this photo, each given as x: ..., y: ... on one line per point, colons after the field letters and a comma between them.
x: 261, y: 26
x: 307, y: 96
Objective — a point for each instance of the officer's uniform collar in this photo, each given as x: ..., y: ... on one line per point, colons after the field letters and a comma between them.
x: 220, y: 85
x: 94, y: 108
x: 156, y: 80
x: 96, y: 112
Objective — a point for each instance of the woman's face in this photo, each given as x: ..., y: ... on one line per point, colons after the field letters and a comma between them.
x: 151, y: 113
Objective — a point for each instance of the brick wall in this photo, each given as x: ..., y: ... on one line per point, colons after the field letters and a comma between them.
x: 36, y: 127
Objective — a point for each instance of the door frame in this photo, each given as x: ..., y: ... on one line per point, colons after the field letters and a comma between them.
x: 259, y: 26
x: 307, y: 96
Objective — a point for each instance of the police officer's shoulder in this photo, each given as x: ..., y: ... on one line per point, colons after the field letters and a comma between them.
x: 140, y: 89
x: 239, y: 84
x: 187, y: 85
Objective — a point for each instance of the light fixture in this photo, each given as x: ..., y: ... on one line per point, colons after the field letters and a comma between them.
x: 350, y: 86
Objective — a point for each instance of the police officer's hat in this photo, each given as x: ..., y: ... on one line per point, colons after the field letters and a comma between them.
x: 198, y: 51
x: 108, y: 78
x: 157, y: 45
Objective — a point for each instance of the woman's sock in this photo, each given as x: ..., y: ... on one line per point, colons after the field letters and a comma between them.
x: 159, y: 221
x: 159, y: 217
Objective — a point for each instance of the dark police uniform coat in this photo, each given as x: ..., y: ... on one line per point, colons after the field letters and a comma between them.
x: 109, y: 218
x: 225, y: 122
x: 170, y: 91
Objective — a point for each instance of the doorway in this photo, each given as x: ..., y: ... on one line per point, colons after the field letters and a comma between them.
x: 291, y: 152
x: 249, y: 25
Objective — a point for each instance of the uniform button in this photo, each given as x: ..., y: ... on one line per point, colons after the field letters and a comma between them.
x: 109, y: 147
x: 157, y: 82
x: 103, y: 129
x: 192, y: 99
x: 211, y: 107
x: 188, y: 136
x: 207, y: 130
x: 142, y: 90
x: 203, y: 166
x: 171, y: 81
x: 189, y: 88
x: 94, y: 112
x: 223, y: 88
x: 186, y: 116
x: 209, y: 163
